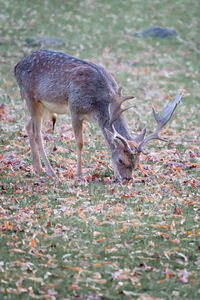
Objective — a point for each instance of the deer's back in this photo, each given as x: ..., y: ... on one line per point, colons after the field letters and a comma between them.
x: 58, y: 78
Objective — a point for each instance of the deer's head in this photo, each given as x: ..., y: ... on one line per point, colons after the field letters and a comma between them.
x: 125, y: 153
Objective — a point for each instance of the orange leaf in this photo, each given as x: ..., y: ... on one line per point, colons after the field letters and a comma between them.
x: 169, y: 274
x: 125, y: 196
x: 94, y: 158
x: 164, y: 130
x: 178, y: 169
x: 163, y: 235
x: 175, y: 241
x: 177, y: 211
x: 78, y: 269
x: 48, y: 214
x: 81, y: 215
x: 172, y: 227
x: 100, y: 281
x: 6, y: 224
x: 98, y: 265
x: 2, y: 111
x: 101, y: 240
x: 161, y: 225
x: 74, y: 287
x: 194, y: 233
x: 33, y: 243
x: 161, y: 281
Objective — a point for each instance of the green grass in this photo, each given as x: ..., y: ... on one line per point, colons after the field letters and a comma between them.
x: 95, y: 239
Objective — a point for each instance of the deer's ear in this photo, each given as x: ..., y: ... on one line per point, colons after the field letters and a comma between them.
x: 118, y: 143
x: 113, y: 139
x: 133, y: 145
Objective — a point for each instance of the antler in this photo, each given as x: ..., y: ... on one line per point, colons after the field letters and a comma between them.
x: 161, y: 121
x: 115, y: 111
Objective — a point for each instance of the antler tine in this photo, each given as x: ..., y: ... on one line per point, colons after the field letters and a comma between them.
x: 162, y: 120
x: 115, y: 109
x: 121, y: 98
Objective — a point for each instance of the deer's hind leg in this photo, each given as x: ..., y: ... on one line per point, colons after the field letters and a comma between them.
x: 34, y: 127
x: 34, y: 147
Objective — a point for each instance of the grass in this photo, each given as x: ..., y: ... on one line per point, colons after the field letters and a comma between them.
x: 95, y: 239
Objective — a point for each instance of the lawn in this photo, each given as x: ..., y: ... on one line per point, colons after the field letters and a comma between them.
x: 95, y: 239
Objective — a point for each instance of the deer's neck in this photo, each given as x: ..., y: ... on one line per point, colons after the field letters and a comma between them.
x: 122, y: 128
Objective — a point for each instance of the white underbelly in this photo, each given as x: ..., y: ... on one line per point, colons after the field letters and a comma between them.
x: 63, y: 109
x: 56, y: 108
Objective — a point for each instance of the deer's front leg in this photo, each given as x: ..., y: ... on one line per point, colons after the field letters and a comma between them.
x: 77, y: 127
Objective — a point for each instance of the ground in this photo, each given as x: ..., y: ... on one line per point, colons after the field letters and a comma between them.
x: 95, y: 239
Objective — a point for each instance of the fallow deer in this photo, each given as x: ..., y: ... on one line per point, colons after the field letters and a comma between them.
x: 55, y: 83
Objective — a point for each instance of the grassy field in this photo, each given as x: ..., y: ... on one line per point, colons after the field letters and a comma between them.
x: 93, y: 239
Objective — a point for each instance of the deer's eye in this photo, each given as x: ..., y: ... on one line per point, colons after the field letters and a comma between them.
x: 120, y: 161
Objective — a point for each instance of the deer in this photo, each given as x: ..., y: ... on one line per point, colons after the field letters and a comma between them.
x: 56, y: 83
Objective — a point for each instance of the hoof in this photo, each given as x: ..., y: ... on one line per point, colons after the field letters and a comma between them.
x: 79, y: 177
x: 51, y: 173
x: 39, y: 170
